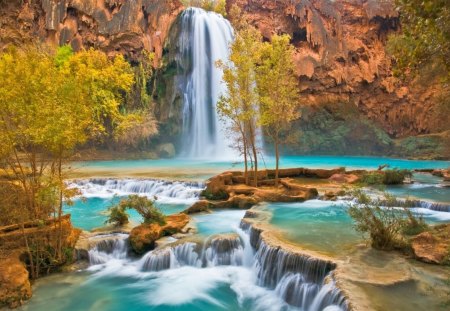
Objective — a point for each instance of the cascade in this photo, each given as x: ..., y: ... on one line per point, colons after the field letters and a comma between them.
x: 165, y: 190
x: 300, y: 280
x: 204, y: 39
x: 114, y: 246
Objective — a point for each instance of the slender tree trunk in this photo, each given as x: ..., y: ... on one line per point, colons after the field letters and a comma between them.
x: 277, y: 156
x: 255, y: 153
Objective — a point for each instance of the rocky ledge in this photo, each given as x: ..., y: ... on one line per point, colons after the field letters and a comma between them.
x: 229, y: 189
x: 143, y: 237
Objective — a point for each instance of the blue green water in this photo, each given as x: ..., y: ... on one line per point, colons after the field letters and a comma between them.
x: 324, y: 225
x: 196, y: 169
x: 91, y: 213
x: 426, y: 186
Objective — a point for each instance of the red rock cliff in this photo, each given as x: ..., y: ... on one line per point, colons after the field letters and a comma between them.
x: 115, y: 26
x: 341, y: 57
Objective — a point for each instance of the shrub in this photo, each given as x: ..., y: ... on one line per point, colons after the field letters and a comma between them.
x: 145, y: 207
x: 387, y: 177
x: 384, y: 225
x: 219, y: 195
x: 372, y: 178
x: 395, y: 177
x: 117, y: 216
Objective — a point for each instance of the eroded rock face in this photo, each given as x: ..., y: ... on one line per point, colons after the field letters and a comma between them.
x: 114, y: 26
x: 340, y: 57
x: 15, y: 286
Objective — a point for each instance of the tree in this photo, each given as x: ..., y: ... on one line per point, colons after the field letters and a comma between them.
x: 238, y: 108
x: 52, y: 103
x: 145, y: 207
x: 278, y: 91
x: 425, y: 38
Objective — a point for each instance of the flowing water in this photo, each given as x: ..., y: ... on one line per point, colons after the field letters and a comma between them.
x: 220, y: 272
x: 200, y: 170
x: 98, y: 194
x: 204, y: 40
x: 325, y: 225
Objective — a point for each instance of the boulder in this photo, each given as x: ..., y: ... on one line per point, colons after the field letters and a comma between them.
x: 166, y: 150
x: 344, y: 178
x: 143, y: 237
x: 15, y: 286
x: 199, y: 207
x: 430, y: 249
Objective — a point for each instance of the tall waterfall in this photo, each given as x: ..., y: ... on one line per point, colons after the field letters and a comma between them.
x: 204, y: 39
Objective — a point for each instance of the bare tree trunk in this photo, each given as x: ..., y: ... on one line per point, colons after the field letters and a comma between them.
x: 255, y: 153
x: 277, y: 156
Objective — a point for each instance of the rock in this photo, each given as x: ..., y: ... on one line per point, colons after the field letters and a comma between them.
x: 142, y: 238
x: 243, y: 202
x: 166, y: 150
x: 430, y: 248
x: 199, y: 207
x: 344, y: 178
x: 15, y: 286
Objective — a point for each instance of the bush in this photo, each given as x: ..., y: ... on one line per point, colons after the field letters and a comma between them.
x: 145, y: 207
x: 395, y: 177
x: 384, y: 225
x: 117, y: 216
x: 387, y: 177
x: 219, y: 195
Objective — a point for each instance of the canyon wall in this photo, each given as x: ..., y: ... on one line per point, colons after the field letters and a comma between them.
x: 353, y: 103
x: 340, y: 57
x: 114, y: 26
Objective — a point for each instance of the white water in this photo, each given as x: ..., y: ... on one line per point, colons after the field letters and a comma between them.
x: 205, y: 38
x: 165, y: 191
x: 184, y: 272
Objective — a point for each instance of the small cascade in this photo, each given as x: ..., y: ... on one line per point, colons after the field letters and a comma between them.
x: 164, y: 190
x: 273, y: 263
x: 413, y: 203
x: 439, y: 207
x: 296, y: 291
x: 111, y: 247
x: 300, y: 280
x: 226, y: 250
x: 171, y: 257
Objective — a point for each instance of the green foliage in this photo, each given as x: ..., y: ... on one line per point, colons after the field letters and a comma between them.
x: 386, y: 226
x: 145, y: 207
x: 117, y: 216
x: 218, y: 6
x: 220, y: 195
x: 278, y: 91
x: 425, y: 38
x: 386, y: 177
x: 237, y: 107
x: 395, y: 176
x: 52, y: 102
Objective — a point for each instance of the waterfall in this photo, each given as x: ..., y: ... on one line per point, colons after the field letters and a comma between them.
x: 299, y: 280
x: 204, y: 39
x: 164, y: 190
x: 226, y: 250
x: 302, y: 281
x: 114, y: 246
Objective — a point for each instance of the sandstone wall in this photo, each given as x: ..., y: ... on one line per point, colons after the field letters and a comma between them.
x: 340, y: 57
x: 114, y: 26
